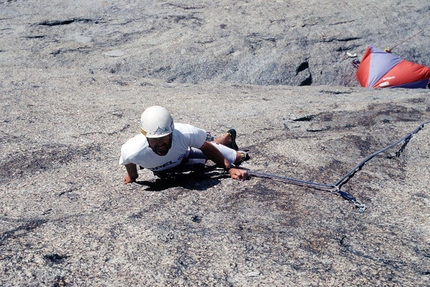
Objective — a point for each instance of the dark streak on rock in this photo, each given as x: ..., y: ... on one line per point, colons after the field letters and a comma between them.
x: 21, y: 230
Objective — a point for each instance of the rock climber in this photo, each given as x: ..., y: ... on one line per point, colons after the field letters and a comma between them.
x: 163, y: 146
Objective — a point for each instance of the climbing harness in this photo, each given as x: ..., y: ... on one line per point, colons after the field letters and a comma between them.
x: 336, y: 187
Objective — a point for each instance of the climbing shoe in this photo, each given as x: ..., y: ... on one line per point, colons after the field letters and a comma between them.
x: 233, y: 145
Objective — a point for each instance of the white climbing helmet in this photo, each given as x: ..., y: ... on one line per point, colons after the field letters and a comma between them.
x: 156, y: 122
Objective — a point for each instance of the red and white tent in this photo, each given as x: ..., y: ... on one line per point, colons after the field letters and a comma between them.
x: 379, y: 69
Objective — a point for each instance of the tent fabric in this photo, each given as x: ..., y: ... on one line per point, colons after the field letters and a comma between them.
x: 379, y: 69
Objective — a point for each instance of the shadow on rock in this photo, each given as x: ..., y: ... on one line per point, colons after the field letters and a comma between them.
x: 191, y: 181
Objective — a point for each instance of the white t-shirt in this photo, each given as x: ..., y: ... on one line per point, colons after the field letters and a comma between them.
x: 136, y: 150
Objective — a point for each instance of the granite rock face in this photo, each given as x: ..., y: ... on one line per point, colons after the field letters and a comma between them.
x: 76, y: 77
x: 248, y: 42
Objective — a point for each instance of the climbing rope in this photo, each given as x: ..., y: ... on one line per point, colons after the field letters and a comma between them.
x: 305, y: 183
x: 336, y: 187
x: 356, y: 63
x: 358, y: 167
x: 315, y: 185
x: 388, y: 49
